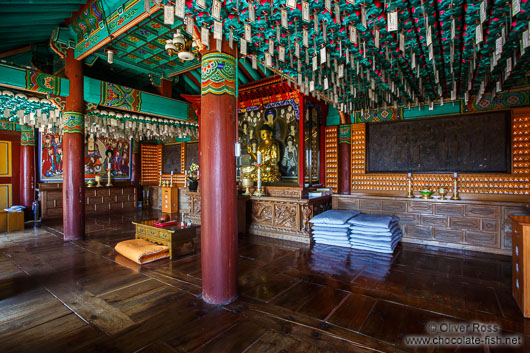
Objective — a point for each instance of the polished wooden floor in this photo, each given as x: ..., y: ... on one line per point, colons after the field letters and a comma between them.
x: 82, y: 296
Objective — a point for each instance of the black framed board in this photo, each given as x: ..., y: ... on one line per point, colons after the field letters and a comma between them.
x: 477, y: 143
x: 171, y: 159
x: 192, y: 154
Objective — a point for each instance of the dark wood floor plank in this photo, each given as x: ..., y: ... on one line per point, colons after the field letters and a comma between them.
x: 236, y: 339
x: 353, y: 312
x: 78, y: 296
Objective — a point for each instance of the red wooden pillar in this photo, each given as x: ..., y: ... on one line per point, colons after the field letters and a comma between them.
x: 344, y: 182
x: 218, y: 178
x: 27, y: 166
x: 74, y: 150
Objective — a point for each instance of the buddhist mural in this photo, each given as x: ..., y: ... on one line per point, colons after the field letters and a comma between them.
x: 312, y: 142
x: 101, y: 154
x: 273, y: 131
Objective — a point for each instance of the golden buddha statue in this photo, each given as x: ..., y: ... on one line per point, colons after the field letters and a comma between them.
x: 270, y: 156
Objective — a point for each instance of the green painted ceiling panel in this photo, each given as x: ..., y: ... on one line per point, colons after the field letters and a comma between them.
x: 423, y: 111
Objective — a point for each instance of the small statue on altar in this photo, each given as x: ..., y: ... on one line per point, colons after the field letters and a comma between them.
x: 270, y: 155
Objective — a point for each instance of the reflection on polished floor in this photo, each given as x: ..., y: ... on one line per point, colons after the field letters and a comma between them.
x: 81, y: 296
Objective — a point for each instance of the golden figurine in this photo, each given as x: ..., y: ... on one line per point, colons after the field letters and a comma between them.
x: 270, y: 156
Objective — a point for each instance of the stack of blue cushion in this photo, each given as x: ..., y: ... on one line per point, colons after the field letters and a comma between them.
x: 374, y: 233
x: 332, y: 227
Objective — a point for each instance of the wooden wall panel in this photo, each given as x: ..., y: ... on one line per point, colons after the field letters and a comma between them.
x: 393, y: 184
x: 152, y: 165
x: 331, y: 157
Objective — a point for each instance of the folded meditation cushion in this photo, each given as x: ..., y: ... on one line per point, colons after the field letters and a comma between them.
x: 374, y: 230
x: 372, y: 220
x: 330, y: 231
x: 141, y: 251
x: 334, y: 217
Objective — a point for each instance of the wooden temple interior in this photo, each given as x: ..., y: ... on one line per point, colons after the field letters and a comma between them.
x: 173, y: 175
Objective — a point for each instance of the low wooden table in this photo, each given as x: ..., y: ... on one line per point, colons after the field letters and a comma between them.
x: 170, y: 236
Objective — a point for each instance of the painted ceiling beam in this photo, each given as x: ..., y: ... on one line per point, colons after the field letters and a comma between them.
x: 57, y: 16
x: 34, y: 8
x: 124, y: 64
x: 24, y: 23
x: 190, y: 83
x: 241, y: 77
x: 197, y: 75
x: 250, y: 70
x: 243, y: 72
x: 34, y: 29
x: 39, y: 2
x: 15, y: 51
x: 194, y: 79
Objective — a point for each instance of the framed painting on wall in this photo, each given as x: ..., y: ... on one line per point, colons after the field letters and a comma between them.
x: 101, y: 154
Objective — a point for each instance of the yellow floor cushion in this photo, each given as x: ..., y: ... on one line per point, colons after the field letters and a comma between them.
x: 141, y: 251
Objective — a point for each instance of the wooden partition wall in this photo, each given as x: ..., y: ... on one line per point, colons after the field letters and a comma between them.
x: 516, y: 183
x: 331, y: 156
x: 152, y: 165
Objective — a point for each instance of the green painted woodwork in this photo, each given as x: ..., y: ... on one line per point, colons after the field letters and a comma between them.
x: 333, y: 117
x: 423, y: 111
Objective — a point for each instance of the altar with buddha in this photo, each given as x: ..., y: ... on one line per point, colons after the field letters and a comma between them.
x: 277, y: 169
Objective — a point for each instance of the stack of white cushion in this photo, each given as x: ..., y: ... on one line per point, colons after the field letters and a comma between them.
x: 374, y: 233
x: 332, y: 227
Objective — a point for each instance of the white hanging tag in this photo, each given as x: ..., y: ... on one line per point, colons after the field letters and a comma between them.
x: 315, y: 22
x: 218, y: 44
x: 243, y: 47
x: 508, y: 66
x: 255, y: 62
x: 352, y: 34
x: 323, y: 55
x: 231, y: 38
x: 376, y: 38
x: 251, y: 12
x: 291, y: 4
x: 516, y: 7
x: 284, y: 18
x: 526, y: 39
x: 347, y: 56
x: 413, y: 61
x: 452, y: 52
x: 453, y: 29
x: 311, y: 86
x: 503, y: 35
x: 326, y: 83
x: 363, y: 17
x: 169, y: 15
x: 201, y: 4
x: 297, y: 49
x: 180, y: 8
x: 327, y: 5
x: 271, y: 46
x: 498, y: 86
x: 341, y: 70
x: 478, y: 37
x: 431, y: 54
x: 189, y: 25
x: 217, y: 30
x: 268, y: 59
x: 248, y: 32
x: 305, y: 38
x: 205, y: 36
x: 402, y: 42
x: 315, y: 63
x: 429, y: 35
x: 498, y: 46
x: 482, y: 11
x: 337, y: 12
x: 281, y: 50
x: 392, y: 21
x: 216, y: 10
x: 305, y: 11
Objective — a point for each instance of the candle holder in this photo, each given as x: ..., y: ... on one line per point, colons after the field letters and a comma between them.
x: 160, y: 181
x: 108, y: 179
x: 455, y: 190
x: 410, y: 194
x: 259, y: 190
x: 171, y: 182
x: 98, y: 180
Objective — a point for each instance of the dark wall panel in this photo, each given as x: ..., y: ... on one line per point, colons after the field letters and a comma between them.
x: 171, y: 157
x: 478, y: 143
